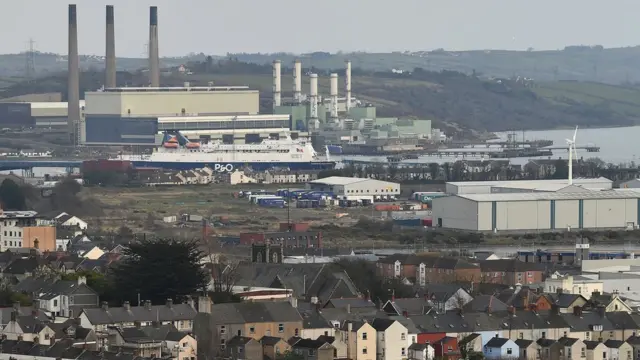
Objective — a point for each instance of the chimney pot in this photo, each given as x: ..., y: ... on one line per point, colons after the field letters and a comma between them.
x: 169, y: 303
x: 105, y: 306
x: 405, y: 313
x: 126, y: 305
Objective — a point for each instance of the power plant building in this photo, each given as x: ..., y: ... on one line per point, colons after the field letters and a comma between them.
x: 26, y: 115
x: 538, y: 211
x: 135, y: 116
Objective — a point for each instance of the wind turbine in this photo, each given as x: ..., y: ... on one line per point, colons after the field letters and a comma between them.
x: 572, y: 146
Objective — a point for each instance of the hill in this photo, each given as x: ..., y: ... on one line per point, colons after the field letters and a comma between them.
x: 451, y: 99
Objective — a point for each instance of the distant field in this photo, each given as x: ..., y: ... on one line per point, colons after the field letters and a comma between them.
x: 625, y: 101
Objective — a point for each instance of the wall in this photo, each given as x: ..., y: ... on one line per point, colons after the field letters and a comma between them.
x: 105, y: 129
x: 46, y: 236
x: 529, y: 215
x: 457, y: 213
x: 16, y: 115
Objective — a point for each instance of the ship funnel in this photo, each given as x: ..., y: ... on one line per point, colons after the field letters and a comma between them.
x: 347, y: 86
x: 154, y: 54
x: 277, y: 83
x: 73, y: 81
x: 333, y: 97
x: 110, y: 51
x: 297, y: 82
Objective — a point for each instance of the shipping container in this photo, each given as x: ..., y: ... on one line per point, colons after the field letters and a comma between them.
x: 262, y: 200
x: 170, y: 219
x: 301, y: 227
x: 408, y: 222
x: 254, y: 198
x: 387, y: 207
x: 276, y: 203
x: 106, y: 165
x: 427, y: 222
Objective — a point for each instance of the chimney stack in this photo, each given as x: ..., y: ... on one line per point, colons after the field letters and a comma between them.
x: 73, y: 81
x: 297, y: 82
x: 313, y: 102
x: 154, y: 55
x: 347, y: 86
x: 277, y: 83
x: 334, y: 98
x: 110, y: 51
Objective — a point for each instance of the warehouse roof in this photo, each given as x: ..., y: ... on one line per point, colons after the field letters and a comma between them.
x: 340, y: 180
x: 53, y: 105
x: 591, y: 195
x: 529, y: 183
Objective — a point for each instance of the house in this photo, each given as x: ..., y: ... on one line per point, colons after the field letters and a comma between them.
x: 98, y: 319
x: 471, y: 344
x: 618, y: 350
x: 274, y: 347
x: 549, y: 349
x: 247, y: 319
x: 340, y: 345
x: 190, y: 177
x: 412, y: 329
x: 28, y: 328
x: 64, y: 219
x: 523, y: 298
x: 66, y: 298
x: 310, y: 349
x: 238, y: 177
x: 634, y: 341
x: 447, y: 348
x: 135, y: 341
x: 181, y: 345
x: 427, y: 269
x: 528, y: 349
x: 501, y: 348
x: 595, y: 350
x: 566, y: 302
x: 441, y: 297
x: 24, y: 267
x: 511, y: 272
x: 288, y: 177
x: 391, y: 339
x: 421, y: 352
x: 589, y: 325
x: 315, y: 325
x: 483, y: 302
x: 572, y: 348
x: 352, y: 303
x: 22, y: 229
x: 568, y: 284
x: 611, y: 302
x: 93, y: 254
x: 361, y: 340
x: 243, y: 348
x: 626, y: 325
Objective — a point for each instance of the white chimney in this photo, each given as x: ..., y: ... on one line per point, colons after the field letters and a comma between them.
x: 276, y: 83
x: 297, y: 81
x: 347, y: 86
x: 314, y: 124
x: 333, y: 97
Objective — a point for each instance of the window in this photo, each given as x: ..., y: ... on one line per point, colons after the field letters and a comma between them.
x: 312, y: 352
x: 239, y: 332
x: 610, y: 334
x: 629, y: 355
x: 509, y: 351
x: 364, y: 336
x: 404, y: 352
x: 364, y: 350
x: 297, y: 332
x: 55, y: 302
x: 252, y: 330
x: 604, y: 354
x: 403, y: 336
x: 449, y: 349
x: 587, y: 335
x: 239, y: 349
x: 583, y: 352
x: 281, y: 328
x: 521, y: 336
x: 544, y: 334
x: 223, y: 329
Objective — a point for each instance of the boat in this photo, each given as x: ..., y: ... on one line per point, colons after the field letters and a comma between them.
x: 179, y: 153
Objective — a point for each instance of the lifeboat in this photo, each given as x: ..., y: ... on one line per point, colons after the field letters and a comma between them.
x: 171, y: 145
x: 193, y: 145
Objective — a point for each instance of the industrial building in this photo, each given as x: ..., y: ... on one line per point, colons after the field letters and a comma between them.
x: 354, y: 187
x: 538, y: 211
x: 555, y: 185
x: 27, y: 115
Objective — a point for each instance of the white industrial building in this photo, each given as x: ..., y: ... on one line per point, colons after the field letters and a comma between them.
x: 353, y: 188
x: 555, y: 185
x: 538, y: 211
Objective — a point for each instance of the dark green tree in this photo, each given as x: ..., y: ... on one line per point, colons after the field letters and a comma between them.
x: 11, y: 196
x: 160, y: 269
x: 289, y: 355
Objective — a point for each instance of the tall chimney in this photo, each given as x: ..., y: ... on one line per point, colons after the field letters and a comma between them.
x: 313, y: 102
x: 154, y: 55
x: 277, y: 84
x: 73, y: 81
x: 333, y: 97
x: 347, y: 86
x: 297, y: 81
x: 110, y: 51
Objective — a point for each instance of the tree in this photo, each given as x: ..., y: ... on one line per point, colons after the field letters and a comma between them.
x: 160, y: 269
x: 11, y: 196
x: 289, y: 355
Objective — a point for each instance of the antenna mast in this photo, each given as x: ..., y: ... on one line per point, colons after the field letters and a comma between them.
x: 30, y: 67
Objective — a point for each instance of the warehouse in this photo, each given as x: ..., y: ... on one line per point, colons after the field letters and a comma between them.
x: 26, y: 115
x: 487, y: 187
x: 538, y: 211
x: 354, y: 187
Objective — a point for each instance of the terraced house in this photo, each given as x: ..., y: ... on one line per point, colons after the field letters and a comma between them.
x: 425, y: 269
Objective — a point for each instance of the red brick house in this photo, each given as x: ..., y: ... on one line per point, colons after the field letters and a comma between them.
x: 447, y: 348
x: 511, y: 272
x: 425, y: 269
x: 430, y: 338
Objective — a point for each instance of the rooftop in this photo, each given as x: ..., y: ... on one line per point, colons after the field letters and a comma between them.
x: 592, y: 195
x: 17, y: 214
x: 174, y: 89
x: 341, y: 180
x: 528, y: 183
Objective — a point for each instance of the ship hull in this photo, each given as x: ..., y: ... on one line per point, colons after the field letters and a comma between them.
x: 230, y: 166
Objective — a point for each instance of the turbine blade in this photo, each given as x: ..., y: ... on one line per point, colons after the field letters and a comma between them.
x: 574, y: 134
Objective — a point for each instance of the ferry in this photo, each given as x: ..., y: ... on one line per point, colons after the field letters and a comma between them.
x: 176, y: 152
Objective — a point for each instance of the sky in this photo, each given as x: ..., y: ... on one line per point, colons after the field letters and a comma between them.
x: 217, y: 27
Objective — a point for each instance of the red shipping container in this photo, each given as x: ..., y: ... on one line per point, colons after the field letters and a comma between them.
x: 297, y: 227
x: 427, y: 222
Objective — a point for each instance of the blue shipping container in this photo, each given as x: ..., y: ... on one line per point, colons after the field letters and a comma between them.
x: 408, y: 222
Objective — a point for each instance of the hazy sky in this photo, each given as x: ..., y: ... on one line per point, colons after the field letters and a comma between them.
x: 221, y: 26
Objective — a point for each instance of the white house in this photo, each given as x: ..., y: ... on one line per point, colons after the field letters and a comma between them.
x: 391, y: 339
x: 28, y: 328
x: 421, y: 352
x: 66, y: 298
x: 65, y: 219
x: 568, y: 284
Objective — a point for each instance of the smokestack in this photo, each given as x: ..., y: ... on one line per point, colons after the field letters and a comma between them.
x: 297, y: 81
x: 154, y: 55
x: 347, y: 86
x: 110, y: 52
x: 73, y: 82
x: 313, y: 102
x: 277, y: 83
x: 334, y: 97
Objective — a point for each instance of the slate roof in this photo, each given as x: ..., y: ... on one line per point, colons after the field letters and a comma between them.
x: 481, y: 303
x: 523, y: 343
x: 467, y: 339
x: 355, y: 325
x: 418, y: 347
x: 613, y: 344
x: 116, y: 315
x: 353, y: 303
x: 254, y: 312
x: 327, y: 339
x: 412, y: 306
x: 496, y: 342
x: 382, y: 324
x: 270, y: 340
x: 61, y: 287
x: 454, y: 322
x: 163, y: 333
x: 622, y: 320
x: 634, y: 340
x: 567, y: 341
x: 313, y: 320
x: 439, y: 292
x: 25, y: 265
x: 563, y: 300
x: 5, y: 313
x: 309, y: 344
x: 591, y: 344
x: 239, y: 341
x: 585, y: 321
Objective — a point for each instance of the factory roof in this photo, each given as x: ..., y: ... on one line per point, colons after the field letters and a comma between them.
x: 340, y: 180
x: 17, y: 214
x: 528, y: 183
x: 174, y: 89
x: 587, y: 195
x: 222, y: 117
x: 53, y: 105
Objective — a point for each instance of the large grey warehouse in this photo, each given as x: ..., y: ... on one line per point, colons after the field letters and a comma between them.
x: 538, y: 211
x: 561, y: 185
x: 351, y: 187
